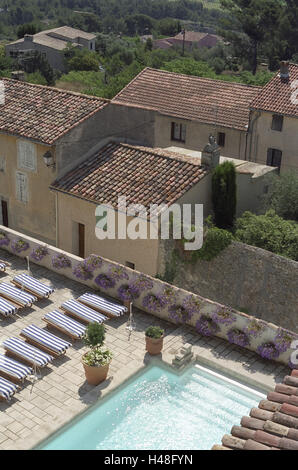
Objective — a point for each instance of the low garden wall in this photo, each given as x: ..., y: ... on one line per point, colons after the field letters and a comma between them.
x: 158, y: 298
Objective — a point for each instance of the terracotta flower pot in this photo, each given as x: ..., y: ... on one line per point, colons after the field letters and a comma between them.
x: 96, y: 374
x: 154, y: 345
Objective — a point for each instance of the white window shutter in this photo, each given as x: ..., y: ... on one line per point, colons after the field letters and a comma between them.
x: 21, y: 187
x: 26, y: 155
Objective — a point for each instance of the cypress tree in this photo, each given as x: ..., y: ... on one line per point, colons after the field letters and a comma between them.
x: 224, y: 198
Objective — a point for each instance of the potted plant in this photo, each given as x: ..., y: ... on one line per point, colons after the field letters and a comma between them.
x: 97, y: 360
x: 154, y: 339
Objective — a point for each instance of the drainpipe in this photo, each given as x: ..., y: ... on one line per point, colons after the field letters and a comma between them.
x: 250, y: 131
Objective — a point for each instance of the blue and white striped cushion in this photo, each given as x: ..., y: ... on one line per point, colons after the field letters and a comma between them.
x: 65, y: 323
x: 44, y: 338
x: 7, y: 389
x: 16, y: 294
x: 14, y: 368
x: 2, y: 266
x: 86, y: 313
x: 103, y: 304
x: 6, y: 308
x: 34, y: 285
x: 27, y: 351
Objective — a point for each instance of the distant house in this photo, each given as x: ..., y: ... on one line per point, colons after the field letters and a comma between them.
x: 51, y: 44
x: 274, y: 121
x: 191, y: 39
x: 187, y: 109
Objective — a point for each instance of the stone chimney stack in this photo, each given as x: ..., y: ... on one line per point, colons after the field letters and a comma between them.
x: 284, y: 71
x: 28, y: 38
x: 18, y: 75
x: 211, y: 153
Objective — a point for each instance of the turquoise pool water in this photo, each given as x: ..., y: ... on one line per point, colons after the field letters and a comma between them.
x: 161, y: 410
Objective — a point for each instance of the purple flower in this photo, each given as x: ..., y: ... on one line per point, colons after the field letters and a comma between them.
x: 206, y: 326
x: 83, y: 271
x: 168, y: 295
x: 283, y: 340
x: 61, y: 261
x: 4, y: 240
x: 255, y: 327
x: 179, y: 314
x: 224, y: 316
x: 39, y: 253
x: 153, y: 302
x: 118, y: 273
x: 128, y: 293
x: 105, y: 281
x: 19, y: 245
x: 142, y: 283
x: 192, y: 303
x: 268, y: 351
x: 92, y: 262
x: 238, y: 337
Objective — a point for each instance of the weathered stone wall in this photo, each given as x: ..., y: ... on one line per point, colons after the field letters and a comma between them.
x: 244, y: 277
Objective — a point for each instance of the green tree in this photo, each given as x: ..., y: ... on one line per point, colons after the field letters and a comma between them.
x: 282, y: 195
x: 257, y: 20
x: 224, y: 198
x: 270, y: 232
x: 29, y: 28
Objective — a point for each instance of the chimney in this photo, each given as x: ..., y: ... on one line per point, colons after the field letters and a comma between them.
x: 28, y: 38
x: 284, y: 71
x: 18, y: 75
x: 211, y: 153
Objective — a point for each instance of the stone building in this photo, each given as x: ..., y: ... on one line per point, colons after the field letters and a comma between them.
x: 51, y: 44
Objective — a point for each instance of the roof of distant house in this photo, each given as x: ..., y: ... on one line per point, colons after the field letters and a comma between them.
x: 189, y: 97
x: 191, y: 36
x: 42, y: 113
x: 143, y: 175
x: 271, y: 426
x: 277, y: 95
x: 58, y: 38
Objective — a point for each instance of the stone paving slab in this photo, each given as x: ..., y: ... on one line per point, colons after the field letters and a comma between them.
x: 41, y: 407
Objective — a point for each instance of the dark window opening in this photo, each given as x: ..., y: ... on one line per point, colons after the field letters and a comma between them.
x: 221, y: 139
x: 130, y: 265
x: 277, y: 122
x: 178, y: 132
x: 274, y: 158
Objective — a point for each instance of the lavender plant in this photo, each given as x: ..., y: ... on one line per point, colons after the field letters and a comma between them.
x: 118, y: 273
x: 104, y: 281
x: 142, y: 282
x: 223, y: 316
x: 4, y: 240
x: 153, y: 302
x: 168, y: 295
x: 128, y: 293
x: 283, y: 339
x: 83, y: 271
x: 61, y: 261
x: 179, y: 314
x: 39, y: 253
x: 206, y: 326
x: 268, y: 351
x: 238, y: 337
x: 192, y: 303
x: 255, y: 327
x: 19, y: 245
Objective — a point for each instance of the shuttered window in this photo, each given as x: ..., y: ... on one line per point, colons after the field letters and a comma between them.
x: 21, y: 187
x: 26, y: 155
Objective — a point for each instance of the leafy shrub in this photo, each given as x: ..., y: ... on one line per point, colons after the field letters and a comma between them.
x: 270, y: 232
x: 282, y: 195
x: 154, y: 332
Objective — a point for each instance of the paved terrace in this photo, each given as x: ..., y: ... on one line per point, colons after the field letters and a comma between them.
x: 42, y: 407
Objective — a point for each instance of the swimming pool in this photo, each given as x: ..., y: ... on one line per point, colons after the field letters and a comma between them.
x: 161, y: 410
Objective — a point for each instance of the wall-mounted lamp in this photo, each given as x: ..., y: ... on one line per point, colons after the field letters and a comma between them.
x: 49, y: 159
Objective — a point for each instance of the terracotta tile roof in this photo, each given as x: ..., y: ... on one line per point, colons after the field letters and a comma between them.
x: 43, y: 113
x: 273, y: 425
x: 188, y: 97
x: 145, y: 176
x: 276, y: 95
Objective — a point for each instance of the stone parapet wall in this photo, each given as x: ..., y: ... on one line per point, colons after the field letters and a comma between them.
x: 155, y: 296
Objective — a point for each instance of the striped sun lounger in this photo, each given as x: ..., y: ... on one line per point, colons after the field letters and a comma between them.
x: 81, y: 312
x: 6, y: 308
x: 102, y: 305
x: 2, y: 266
x: 44, y: 340
x: 33, y: 286
x: 7, y: 389
x: 17, y: 296
x: 65, y: 324
x: 26, y: 352
x: 13, y: 369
